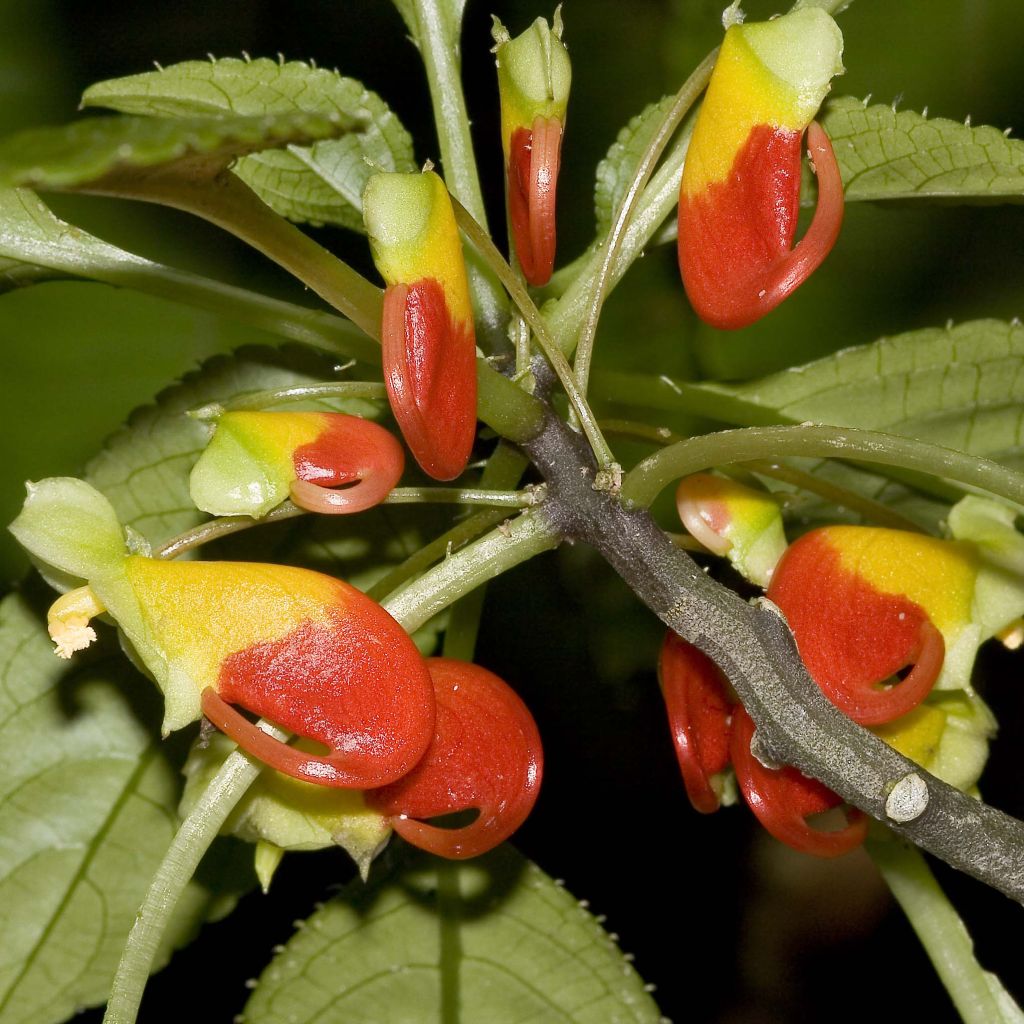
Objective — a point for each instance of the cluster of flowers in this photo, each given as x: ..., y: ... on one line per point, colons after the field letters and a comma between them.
x: 383, y: 738
x: 865, y: 604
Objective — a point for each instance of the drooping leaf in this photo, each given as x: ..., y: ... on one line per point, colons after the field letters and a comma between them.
x: 30, y: 232
x: 322, y: 184
x: 888, y: 154
x: 617, y: 168
x: 89, y: 802
x: 85, y: 152
x: 90, y: 792
x: 492, y: 939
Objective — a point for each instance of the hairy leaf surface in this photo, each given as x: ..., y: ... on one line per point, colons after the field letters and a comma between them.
x: 959, y: 386
x: 889, y: 154
x: 616, y: 170
x: 85, y: 152
x: 320, y: 185
x: 493, y: 939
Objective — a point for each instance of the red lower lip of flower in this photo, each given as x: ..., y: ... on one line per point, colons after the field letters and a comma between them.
x: 533, y: 164
x: 355, y: 684
x: 851, y: 637
x: 699, y: 714
x: 486, y: 754
x: 361, y: 458
x: 783, y: 798
x: 430, y: 373
x: 734, y: 239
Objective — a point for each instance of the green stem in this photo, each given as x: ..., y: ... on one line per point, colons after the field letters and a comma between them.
x: 190, y: 843
x: 465, y: 496
x: 438, y: 39
x: 868, y: 508
x: 523, y: 537
x: 684, y: 100
x: 223, y: 526
x: 483, y: 244
x: 504, y: 469
x: 440, y: 547
x: 301, y: 393
x: 978, y: 995
x: 230, y: 204
x: 842, y: 497
x: 643, y: 483
x: 655, y: 204
x: 505, y: 407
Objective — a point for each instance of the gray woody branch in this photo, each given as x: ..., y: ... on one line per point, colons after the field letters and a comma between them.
x: 753, y: 645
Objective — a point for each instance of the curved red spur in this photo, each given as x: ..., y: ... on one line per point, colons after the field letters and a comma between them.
x: 782, y: 799
x: 351, y: 467
x: 486, y: 754
x: 736, y: 236
x: 840, y: 590
x: 699, y: 715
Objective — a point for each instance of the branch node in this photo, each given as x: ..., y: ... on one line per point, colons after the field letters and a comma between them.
x: 908, y: 798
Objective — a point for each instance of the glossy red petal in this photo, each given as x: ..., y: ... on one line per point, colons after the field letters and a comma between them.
x: 852, y: 638
x: 355, y: 684
x: 735, y: 238
x: 534, y: 159
x: 359, y: 457
x: 486, y: 754
x: 783, y: 798
x: 699, y: 715
x: 430, y: 373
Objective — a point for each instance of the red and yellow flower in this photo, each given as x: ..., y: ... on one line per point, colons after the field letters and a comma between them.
x: 326, y: 462
x: 304, y: 650
x: 427, y: 335
x: 864, y: 603
x: 740, y: 190
x: 534, y: 75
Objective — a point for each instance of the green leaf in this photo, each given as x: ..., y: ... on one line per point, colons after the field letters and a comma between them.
x: 492, y: 939
x: 616, y: 170
x: 322, y: 184
x: 29, y: 231
x: 86, y: 152
x: 889, y: 154
x: 89, y: 806
x: 959, y: 386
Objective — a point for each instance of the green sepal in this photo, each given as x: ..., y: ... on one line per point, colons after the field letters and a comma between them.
x: 534, y: 73
x: 68, y: 525
x: 999, y: 589
x: 282, y: 812
x: 803, y: 49
x: 230, y: 479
